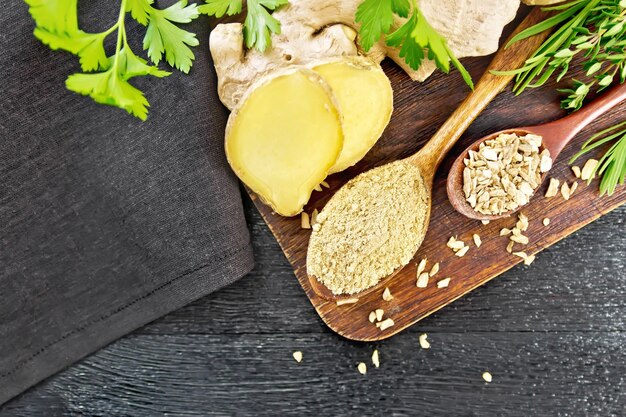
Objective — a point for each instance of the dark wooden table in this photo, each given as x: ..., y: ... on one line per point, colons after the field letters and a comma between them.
x: 552, y: 335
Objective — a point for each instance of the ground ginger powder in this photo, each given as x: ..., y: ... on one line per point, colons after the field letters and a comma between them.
x: 372, y: 226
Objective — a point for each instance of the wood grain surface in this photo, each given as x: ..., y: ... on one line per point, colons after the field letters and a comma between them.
x: 552, y: 334
x: 419, y: 111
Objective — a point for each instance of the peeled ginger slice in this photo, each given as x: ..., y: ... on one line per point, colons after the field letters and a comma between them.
x: 365, y: 98
x: 284, y: 137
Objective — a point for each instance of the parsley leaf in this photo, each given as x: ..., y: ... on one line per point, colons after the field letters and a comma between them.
x: 427, y: 37
x: 376, y: 18
x: 163, y: 36
x: 106, y: 78
x: 219, y: 8
x: 130, y: 65
x: 410, y: 50
x: 401, y: 7
x: 259, y: 24
x: 139, y: 10
x: 414, y: 37
x: 110, y: 88
x: 88, y: 46
x: 55, y: 16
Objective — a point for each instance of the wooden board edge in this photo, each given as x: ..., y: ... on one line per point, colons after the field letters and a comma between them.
x: 263, y: 210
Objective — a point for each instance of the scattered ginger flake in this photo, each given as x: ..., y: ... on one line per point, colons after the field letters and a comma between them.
x: 477, y: 240
x: 385, y: 324
x: 434, y: 269
x: 443, y: 283
x: 573, y: 188
x: 576, y: 171
x: 421, y: 267
x: 325, y: 184
x: 379, y: 314
x: 461, y: 252
x: 487, y: 376
x: 588, y: 168
x: 522, y: 223
x: 375, y: 358
x: 423, y: 342
x: 304, y: 221
x: 422, y: 281
x: 347, y: 301
x: 565, y: 191
x: 520, y: 239
x: 553, y: 188
x: 485, y: 222
x: 318, y: 187
x: 546, y: 222
x: 505, y: 232
x: 372, y: 317
x: 314, y: 217
x: 297, y: 355
x: 528, y: 259
x: 362, y: 367
x: 509, y: 247
x: 387, y: 295
x: 455, y: 244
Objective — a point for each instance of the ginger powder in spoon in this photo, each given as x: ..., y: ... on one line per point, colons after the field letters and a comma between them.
x: 370, y: 228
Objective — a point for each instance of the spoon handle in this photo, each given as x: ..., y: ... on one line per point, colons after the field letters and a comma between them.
x: 558, y: 133
x: 487, y: 88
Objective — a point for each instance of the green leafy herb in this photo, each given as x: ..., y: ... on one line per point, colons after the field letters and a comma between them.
x: 259, y: 24
x: 612, y: 165
x: 412, y: 38
x: 164, y: 37
x: 106, y: 78
x: 594, y: 30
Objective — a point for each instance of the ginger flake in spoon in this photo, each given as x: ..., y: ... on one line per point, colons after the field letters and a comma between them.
x: 371, y: 227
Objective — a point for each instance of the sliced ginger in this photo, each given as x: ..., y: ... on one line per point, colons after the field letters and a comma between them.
x: 294, y: 128
x: 365, y: 98
x: 284, y: 137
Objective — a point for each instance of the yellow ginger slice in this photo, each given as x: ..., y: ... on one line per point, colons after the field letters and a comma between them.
x: 284, y: 137
x: 365, y: 99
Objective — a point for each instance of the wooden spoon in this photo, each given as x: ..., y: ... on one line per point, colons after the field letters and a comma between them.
x: 555, y: 136
x: 427, y: 160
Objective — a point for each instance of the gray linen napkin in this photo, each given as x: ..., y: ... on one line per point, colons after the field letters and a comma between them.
x: 106, y: 222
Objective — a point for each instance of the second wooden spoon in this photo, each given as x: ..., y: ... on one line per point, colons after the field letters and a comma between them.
x: 555, y: 135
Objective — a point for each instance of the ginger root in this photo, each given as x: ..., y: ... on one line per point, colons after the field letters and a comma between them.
x: 317, y: 30
x: 365, y: 99
x: 314, y: 103
x: 284, y: 138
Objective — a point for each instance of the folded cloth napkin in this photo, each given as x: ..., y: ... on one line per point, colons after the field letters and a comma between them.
x: 106, y: 222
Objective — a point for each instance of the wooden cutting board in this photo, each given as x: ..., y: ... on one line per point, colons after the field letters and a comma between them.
x: 420, y: 108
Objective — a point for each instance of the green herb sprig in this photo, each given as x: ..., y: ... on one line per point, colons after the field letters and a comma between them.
x: 412, y: 38
x: 612, y: 165
x: 259, y: 24
x: 105, y: 77
x: 592, y: 29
